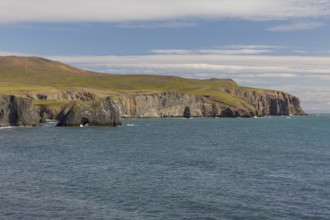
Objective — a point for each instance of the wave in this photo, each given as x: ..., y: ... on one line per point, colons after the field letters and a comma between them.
x: 132, y: 125
x: 6, y: 127
x: 49, y: 121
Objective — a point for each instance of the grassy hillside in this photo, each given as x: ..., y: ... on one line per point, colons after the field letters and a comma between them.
x: 20, y: 75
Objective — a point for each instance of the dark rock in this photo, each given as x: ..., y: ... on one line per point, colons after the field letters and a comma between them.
x: 17, y: 111
x: 41, y: 96
x: 102, y: 112
x: 186, y: 112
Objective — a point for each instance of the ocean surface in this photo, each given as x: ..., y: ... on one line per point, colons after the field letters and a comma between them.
x: 256, y: 168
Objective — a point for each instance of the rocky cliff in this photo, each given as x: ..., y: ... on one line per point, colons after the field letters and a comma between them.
x: 173, y: 105
x: 83, y: 107
x: 270, y: 102
x: 17, y: 111
x: 169, y: 104
x: 101, y: 112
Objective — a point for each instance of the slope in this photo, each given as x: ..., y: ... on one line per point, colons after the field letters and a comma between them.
x: 22, y: 75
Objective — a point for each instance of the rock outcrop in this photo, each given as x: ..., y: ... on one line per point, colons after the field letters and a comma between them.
x: 101, y: 112
x: 270, y: 102
x: 17, y: 111
x: 169, y: 104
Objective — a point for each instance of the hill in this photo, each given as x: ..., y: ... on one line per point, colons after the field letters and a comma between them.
x: 20, y: 75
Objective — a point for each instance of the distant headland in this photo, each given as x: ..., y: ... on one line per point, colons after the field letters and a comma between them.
x: 34, y: 89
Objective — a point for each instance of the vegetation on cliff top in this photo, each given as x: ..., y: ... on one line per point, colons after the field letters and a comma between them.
x: 23, y: 75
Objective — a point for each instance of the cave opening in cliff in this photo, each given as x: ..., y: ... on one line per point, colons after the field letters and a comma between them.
x: 84, y: 122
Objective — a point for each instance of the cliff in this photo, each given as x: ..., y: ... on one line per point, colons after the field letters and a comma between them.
x: 169, y: 104
x: 75, y: 108
x: 17, y: 111
x: 173, y: 104
x: 270, y: 102
x: 102, y: 112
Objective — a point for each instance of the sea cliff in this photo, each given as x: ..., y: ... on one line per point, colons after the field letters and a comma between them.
x: 18, y: 111
x: 72, y: 106
x: 173, y: 104
x: 169, y: 104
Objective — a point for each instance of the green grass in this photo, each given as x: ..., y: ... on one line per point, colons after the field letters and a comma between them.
x: 19, y: 75
x: 49, y: 102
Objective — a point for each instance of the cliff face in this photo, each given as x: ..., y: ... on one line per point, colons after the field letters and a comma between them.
x: 17, y: 111
x: 101, y: 112
x: 270, y: 102
x: 173, y: 105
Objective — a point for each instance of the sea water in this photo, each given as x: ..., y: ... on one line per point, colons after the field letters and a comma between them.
x: 257, y: 168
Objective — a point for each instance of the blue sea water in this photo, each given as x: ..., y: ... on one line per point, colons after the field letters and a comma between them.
x: 257, y: 168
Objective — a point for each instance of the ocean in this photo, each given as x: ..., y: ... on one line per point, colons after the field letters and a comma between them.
x: 207, y: 168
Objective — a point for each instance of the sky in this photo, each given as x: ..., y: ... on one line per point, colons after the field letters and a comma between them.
x: 272, y: 44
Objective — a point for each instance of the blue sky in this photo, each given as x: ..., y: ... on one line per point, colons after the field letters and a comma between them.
x: 273, y: 44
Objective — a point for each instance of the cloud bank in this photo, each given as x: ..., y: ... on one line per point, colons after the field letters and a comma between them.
x: 18, y: 11
x: 300, y: 26
x: 180, y: 61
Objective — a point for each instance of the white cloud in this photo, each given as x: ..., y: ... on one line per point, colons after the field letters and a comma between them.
x: 167, y: 24
x: 235, y: 52
x: 297, y: 26
x: 249, y: 46
x: 270, y: 75
x: 173, y: 51
x: 18, y: 11
x: 214, y: 51
x: 305, y: 66
x: 299, y: 51
x: 8, y: 53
